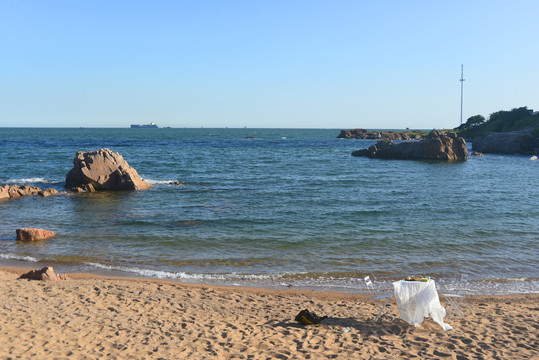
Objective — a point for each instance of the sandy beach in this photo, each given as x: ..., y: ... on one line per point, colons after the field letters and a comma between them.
x: 94, y: 317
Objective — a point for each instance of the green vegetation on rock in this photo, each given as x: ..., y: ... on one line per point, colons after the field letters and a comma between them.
x: 518, y: 119
x: 414, y: 132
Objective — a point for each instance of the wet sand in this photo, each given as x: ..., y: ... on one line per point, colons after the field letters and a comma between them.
x: 95, y: 317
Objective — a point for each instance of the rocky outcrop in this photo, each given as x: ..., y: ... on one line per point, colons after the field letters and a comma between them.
x: 379, y: 135
x: 16, y: 191
x: 48, y: 192
x: 436, y: 146
x: 103, y: 170
x: 46, y: 274
x: 33, y: 234
x: 518, y: 142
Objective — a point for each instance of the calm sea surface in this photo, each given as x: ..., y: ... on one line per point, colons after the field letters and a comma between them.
x: 276, y: 208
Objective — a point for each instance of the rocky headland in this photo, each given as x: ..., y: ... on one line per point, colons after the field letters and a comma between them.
x: 438, y: 145
x: 515, y: 142
x: 505, y: 132
x: 380, y: 135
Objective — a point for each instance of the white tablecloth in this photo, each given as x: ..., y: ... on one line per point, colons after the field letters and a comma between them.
x: 417, y: 300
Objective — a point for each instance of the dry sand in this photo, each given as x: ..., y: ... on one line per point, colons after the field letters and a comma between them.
x: 91, y: 317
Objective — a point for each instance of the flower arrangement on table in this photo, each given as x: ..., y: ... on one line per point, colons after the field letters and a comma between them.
x: 417, y: 278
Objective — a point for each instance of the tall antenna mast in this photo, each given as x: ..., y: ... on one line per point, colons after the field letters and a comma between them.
x: 461, y: 89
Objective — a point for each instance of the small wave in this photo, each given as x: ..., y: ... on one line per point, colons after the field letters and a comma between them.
x: 143, y: 272
x: 160, y: 274
x: 534, y: 158
x: 30, y: 181
x: 18, y: 257
x: 160, y: 182
x: 506, y: 280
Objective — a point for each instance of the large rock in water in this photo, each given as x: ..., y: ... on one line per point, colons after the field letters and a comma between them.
x: 436, y: 146
x: 517, y: 142
x: 103, y: 170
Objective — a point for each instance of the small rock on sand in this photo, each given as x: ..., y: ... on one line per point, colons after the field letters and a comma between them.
x: 47, y: 274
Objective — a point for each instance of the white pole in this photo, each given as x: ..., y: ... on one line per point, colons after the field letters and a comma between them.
x: 461, y: 89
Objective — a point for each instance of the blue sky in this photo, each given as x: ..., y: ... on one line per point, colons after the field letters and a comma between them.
x: 301, y: 64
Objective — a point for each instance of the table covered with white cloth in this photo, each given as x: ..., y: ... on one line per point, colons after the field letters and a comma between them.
x: 417, y: 300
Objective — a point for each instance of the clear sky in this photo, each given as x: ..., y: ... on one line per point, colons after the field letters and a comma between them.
x: 290, y: 63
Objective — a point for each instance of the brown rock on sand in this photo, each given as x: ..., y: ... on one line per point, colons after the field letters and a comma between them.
x: 33, y: 234
x: 47, y: 274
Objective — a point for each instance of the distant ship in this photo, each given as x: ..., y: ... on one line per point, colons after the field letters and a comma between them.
x: 150, y: 125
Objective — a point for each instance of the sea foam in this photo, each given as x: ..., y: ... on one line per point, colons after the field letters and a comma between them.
x: 160, y: 274
x: 18, y: 257
x: 160, y: 182
x: 33, y: 180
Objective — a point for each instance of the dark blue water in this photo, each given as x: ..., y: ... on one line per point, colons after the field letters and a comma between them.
x: 274, y: 207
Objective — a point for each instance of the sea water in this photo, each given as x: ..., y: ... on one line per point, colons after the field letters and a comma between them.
x: 274, y: 208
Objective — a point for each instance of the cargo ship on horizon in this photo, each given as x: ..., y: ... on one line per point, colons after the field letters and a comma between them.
x: 150, y: 125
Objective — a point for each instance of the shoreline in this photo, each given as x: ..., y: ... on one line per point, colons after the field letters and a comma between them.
x: 95, y: 316
x: 482, y: 287
x: 86, y: 276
